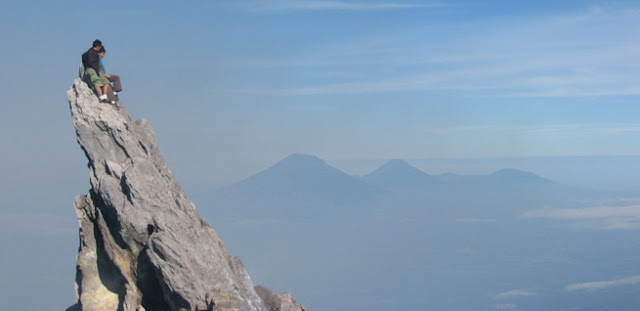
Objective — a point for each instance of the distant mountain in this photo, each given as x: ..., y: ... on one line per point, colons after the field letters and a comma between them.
x: 303, y: 185
x: 298, y: 181
x: 517, y: 176
x: 301, y: 173
x: 504, y: 177
x: 306, y: 180
x: 434, y: 236
x: 399, y: 174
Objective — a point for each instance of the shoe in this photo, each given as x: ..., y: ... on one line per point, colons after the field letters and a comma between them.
x: 113, y: 102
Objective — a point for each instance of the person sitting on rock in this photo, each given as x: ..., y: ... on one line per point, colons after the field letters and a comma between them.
x: 91, y: 63
x: 112, y: 93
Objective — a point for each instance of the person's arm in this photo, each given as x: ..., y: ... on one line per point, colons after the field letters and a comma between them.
x: 104, y: 71
x: 93, y: 61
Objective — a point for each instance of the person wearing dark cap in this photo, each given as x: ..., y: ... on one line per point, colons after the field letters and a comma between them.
x: 91, y: 63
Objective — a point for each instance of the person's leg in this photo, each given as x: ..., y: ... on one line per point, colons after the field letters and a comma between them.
x: 117, y: 86
x: 97, y: 82
x: 105, y: 89
x: 110, y: 95
x: 104, y: 85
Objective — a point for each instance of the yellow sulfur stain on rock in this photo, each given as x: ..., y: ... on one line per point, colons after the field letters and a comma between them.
x: 123, y: 264
x: 100, y: 299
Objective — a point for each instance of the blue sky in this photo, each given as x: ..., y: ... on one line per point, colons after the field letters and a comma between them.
x: 257, y: 80
x: 231, y: 87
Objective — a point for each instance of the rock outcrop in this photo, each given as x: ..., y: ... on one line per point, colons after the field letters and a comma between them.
x: 279, y: 302
x: 143, y: 245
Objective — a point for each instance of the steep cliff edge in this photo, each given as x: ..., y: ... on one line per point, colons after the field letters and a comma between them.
x: 142, y: 244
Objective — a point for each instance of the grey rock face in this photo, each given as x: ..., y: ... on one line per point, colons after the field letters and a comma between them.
x: 142, y: 244
x: 279, y: 302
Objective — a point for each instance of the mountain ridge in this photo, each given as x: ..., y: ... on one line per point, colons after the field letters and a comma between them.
x: 304, y: 174
x: 398, y: 173
x: 396, y: 170
x: 304, y: 186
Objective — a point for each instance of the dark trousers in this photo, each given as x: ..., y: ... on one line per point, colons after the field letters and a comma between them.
x: 117, y: 87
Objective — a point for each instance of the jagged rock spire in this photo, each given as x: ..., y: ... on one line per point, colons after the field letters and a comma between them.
x: 142, y: 244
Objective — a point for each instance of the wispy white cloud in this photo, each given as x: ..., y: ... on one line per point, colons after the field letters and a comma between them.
x: 515, y: 293
x: 548, y: 130
x: 608, y: 218
x: 599, y: 285
x: 310, y: 5
x: 584, y: 54
x: 38, y: 224
x: 587, y: 128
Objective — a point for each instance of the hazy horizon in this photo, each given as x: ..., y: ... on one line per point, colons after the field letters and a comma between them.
x: 232, y: 87
x: 597, y: 172
x: 507, y: 240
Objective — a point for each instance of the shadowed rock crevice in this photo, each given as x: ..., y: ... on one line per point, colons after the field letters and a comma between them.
x: 126, y: 189
x: 149, y: 285
x: 142, y: 244
x: 111, y: 219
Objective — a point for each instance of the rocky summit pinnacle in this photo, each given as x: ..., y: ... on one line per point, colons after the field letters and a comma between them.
x: 142, y: 244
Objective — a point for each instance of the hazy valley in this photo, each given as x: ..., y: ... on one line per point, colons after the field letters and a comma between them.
x: 400, y: 238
